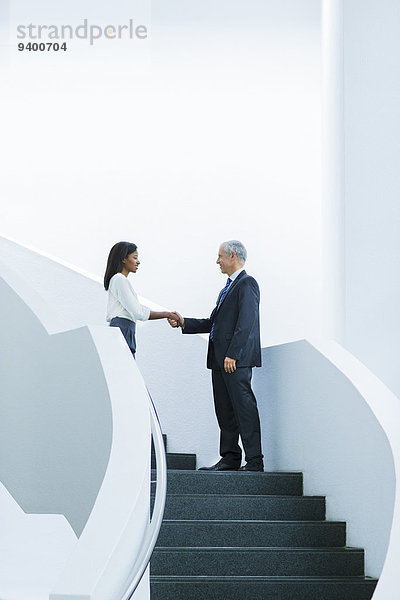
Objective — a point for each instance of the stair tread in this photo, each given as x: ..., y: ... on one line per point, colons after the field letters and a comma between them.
x: 256, y: 521
x: 238, y: 506
x: 268, y: 483
x: 180, y: 454
x: 203, y: 569
x: 249, y: 496
x: 274, y: 578
x: 341, y: 549
x: 251, y: 532
x: 238, y: 473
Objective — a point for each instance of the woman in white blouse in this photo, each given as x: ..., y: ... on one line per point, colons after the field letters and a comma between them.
x: 124, y: 308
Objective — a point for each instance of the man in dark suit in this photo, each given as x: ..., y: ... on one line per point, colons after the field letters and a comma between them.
x: 233, y: 350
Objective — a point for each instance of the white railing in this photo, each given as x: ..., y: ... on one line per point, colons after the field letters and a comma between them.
x: 102, y: 471
x: 153, y: 530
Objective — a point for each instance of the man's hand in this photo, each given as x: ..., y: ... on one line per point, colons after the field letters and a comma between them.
x: 176, y: 320
x: 229, y: 364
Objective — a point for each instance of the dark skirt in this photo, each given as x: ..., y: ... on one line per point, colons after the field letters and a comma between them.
x: 128, y: 329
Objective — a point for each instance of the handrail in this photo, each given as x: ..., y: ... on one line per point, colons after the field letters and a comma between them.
x: 153, y: 529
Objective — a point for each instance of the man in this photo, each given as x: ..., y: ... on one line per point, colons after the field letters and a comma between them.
x: 233, y: 349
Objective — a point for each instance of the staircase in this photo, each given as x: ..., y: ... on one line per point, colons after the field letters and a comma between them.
x: 250, y: 536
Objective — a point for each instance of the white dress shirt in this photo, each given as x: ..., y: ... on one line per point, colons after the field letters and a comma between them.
x: 235, y: 274
x: 123, y: 301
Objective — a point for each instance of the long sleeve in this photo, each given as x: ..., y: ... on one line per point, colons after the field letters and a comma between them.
x: 197, y: 325
x: 247, y: 322
x: 123, y: 292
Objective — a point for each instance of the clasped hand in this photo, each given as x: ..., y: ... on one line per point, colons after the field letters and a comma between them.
x: 176, y: 320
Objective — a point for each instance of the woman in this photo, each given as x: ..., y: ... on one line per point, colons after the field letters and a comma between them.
x: 124, y: 308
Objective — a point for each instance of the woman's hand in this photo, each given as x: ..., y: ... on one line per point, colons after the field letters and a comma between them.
x: 175, y: 319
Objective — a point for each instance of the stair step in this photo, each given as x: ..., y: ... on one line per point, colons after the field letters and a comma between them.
x: 313, y: 534
x: 265, y: 541
x: 339, y: 562
x: 203, y: 482
x: 178, y: 461
x: 262, y: 588
x: 228, y: 506
x: 164, y: 440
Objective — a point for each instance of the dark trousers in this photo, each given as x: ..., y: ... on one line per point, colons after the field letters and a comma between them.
x: 128, y: 329
x: 237, y: 413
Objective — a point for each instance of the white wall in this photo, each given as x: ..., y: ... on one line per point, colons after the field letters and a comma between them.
x: 211, y: 131
x: 33, y: 550
x: 372, y: 133
x: 4, y: 22
x: 74, y: 441
x: 56, y: 424
x: 169, y: 361
x: 323, y: 413
x: 314, y: 418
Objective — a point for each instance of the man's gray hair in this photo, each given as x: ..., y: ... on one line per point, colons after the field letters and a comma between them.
x: 236, y: 246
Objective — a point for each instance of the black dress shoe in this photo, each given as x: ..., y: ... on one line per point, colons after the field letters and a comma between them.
x: 254, y: 464
x: 220, y: 466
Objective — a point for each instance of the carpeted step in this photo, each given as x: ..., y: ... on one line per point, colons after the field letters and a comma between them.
x: 237, y: 507
x: 204, y: 482
x: 262, y: 588
x: 313, y: 534
x: 178, y: 461
x: 252, y: 561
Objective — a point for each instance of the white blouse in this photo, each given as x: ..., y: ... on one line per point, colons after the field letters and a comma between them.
x: 123, y: 301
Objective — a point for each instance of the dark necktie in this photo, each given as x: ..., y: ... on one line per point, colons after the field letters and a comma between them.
x: 222, y: 296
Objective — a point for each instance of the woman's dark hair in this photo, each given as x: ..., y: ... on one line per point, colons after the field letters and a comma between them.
x: 117, y: 254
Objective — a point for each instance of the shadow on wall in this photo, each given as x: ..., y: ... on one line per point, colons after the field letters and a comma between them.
x: 74, y: 441
x: 56, y: 425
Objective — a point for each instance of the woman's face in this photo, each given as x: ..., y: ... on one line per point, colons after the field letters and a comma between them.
x: 131, y: 262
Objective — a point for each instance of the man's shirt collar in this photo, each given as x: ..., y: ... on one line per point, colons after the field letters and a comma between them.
x: 235, y: 274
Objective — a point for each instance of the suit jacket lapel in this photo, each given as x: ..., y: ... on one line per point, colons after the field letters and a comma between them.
x: 230, y: 288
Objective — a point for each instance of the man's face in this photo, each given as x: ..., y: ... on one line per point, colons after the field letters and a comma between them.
x: 224, y: 261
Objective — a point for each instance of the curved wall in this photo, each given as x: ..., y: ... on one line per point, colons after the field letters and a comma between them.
x: 74, y: 440
x: 318, y: 418
x: 170, y: 362
x: 56, y: 423
x: 321, y: 413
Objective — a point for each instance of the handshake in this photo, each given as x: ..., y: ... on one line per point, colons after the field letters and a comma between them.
x: 175, y: 319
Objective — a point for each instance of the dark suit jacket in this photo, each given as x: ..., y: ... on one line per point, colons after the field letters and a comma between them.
x: 236, y: 324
